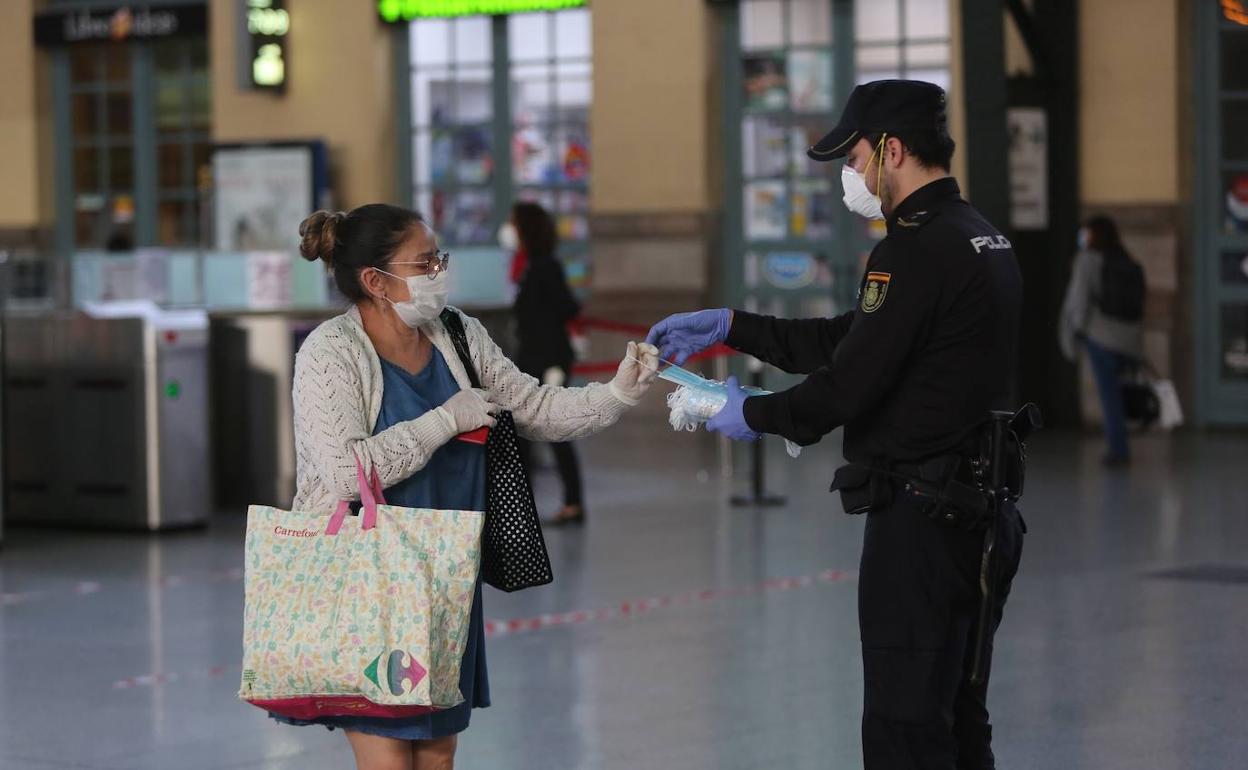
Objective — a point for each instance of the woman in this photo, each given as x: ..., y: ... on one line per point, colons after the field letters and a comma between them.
x: 1113, y: 342
x: 383, y: 383
x: 543, y: 307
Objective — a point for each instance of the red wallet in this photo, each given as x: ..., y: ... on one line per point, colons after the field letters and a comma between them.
x: 477, y: 436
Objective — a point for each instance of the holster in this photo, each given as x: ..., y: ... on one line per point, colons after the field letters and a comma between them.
x: 861, y: 489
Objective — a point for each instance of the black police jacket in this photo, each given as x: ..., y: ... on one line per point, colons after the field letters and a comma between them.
x: 544, y: 305
x: 928, y: 350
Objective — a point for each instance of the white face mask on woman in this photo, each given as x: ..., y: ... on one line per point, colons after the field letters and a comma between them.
x: 508, y: 238
x: 427, y: 298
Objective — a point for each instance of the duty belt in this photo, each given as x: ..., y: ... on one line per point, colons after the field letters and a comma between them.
x: 941, y: 482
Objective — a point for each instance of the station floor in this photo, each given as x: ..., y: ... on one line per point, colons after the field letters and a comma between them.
x: 1125, y: 642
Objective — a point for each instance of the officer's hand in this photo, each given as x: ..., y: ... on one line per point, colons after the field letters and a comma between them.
x: 682, y: 335
x: 730, y: 420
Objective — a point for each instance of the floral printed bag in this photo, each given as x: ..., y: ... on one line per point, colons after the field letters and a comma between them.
x: 357, y: 615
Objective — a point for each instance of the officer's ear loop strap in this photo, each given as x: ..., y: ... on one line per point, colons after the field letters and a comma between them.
x: 879, y: 167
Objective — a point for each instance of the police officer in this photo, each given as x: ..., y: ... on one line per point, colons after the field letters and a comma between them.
x: 911, y: 373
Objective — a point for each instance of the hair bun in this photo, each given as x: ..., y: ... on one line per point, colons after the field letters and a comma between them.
x: 320, y: 236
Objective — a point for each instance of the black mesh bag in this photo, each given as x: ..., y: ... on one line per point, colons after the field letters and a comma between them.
x: 513, y: 551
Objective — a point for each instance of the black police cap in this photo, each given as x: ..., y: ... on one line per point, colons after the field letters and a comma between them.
x: 891, y: 106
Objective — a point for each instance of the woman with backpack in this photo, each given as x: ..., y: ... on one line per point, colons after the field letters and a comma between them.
x: 1103, y: 311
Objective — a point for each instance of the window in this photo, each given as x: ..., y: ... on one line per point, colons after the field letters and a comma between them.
x: 183, y: 115
x: 792, y: 247
x: 101, y: 104
x: 903, y: 39
x: 500, y: 112
x: 788, y: 229
x: 113, y: 189
x: 452, y: 122
x: 551, y: 91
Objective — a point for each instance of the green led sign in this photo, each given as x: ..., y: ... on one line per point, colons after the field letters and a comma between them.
x: 397, y: 11
x: 268, y: 24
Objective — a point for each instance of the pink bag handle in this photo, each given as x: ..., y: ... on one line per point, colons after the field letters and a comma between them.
x: 370, y: 497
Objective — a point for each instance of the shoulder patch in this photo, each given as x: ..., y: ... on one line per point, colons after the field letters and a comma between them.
x: 875, y: 292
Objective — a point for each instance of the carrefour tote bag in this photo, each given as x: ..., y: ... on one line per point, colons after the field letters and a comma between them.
x: 357, y: 615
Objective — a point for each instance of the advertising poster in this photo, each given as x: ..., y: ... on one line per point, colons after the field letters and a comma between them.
x: 766, y: 82
x: 766, y: 211
x: 810, y: 81
x: 262, y: 194
x: 1029, y: 168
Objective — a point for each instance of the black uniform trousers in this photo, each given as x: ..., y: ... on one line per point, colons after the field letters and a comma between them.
x: 918, y: 606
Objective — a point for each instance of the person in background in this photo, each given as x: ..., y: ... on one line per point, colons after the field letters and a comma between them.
x: 544, y: 305
x: 119, y: 240
x: 1103, y: 311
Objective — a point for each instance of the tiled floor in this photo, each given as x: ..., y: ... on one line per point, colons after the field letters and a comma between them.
x: 121, y: 651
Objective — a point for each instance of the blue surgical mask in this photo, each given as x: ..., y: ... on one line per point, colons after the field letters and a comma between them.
x: 697, y: 399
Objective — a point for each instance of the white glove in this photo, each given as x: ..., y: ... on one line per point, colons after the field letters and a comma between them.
x: 636, y: 373
x: 468, y: 410
x: 553, y: 376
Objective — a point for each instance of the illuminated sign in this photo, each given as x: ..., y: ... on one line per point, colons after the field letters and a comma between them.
x: 1235, y: 11
x: 120, y: 24
x: 268, y: 23
x: 397, y: 11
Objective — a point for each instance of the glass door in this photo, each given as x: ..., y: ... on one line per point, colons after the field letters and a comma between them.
x: 498, y: 111
x: 1222, y: 215
x: 791, y: 247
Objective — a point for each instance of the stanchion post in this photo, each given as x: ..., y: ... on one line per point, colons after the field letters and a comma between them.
x: 758, y: 496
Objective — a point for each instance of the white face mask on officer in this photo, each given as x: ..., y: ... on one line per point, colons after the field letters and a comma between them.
x: 858, y: 198
x: 426, y: 298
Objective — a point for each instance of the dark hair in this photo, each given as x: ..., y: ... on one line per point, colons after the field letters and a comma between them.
x: 536, y: 229
x: 349, y: 242
x: 932, y: 148
x: 1103, y: 237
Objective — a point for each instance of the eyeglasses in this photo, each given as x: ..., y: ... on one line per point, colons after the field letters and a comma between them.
x: 433, y: 267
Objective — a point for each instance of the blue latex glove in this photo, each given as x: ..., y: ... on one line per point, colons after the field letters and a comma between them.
x: 730, y: 420
x: 682, y: 335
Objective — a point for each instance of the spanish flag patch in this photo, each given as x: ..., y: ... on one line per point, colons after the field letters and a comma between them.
x: 875, y: 291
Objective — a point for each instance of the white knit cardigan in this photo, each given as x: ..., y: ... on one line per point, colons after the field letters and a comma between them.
x: 337, y: 398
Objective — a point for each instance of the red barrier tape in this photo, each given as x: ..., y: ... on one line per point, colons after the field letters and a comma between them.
x: 605, y: 367
x: 609, y: 326
x: 627, y: 610
x: 608, y: 367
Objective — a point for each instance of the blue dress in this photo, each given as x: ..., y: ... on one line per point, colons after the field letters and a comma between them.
x: 454, y: 479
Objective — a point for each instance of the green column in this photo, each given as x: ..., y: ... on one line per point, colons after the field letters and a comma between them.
x: 143, y: 87
x: 504, y: 192
x: 401, y: 64
x: 987, y: 145
x: 63, y: 154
